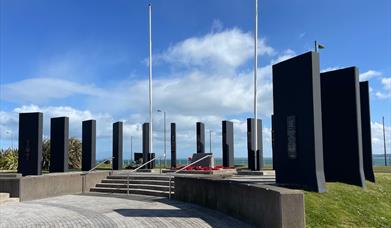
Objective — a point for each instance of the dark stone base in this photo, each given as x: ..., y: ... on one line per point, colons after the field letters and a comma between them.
x: 207, y: 162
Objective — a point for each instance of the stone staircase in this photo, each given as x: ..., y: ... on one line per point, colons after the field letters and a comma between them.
x: 143, y: 184
x: 5, y: 198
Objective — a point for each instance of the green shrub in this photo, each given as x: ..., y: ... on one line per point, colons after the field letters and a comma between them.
x: 9, y: 157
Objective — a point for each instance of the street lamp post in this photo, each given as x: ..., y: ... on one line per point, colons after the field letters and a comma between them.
x: 164, y: 130
x: 131, y: 150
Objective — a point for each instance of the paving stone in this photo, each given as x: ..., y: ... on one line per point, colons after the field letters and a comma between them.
x: 110, y: 210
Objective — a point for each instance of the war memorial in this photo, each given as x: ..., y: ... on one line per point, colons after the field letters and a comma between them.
x: 305, y: 131
x: 321, y: 122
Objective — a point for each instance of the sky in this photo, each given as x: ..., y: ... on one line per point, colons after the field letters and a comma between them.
x: 89, y: 60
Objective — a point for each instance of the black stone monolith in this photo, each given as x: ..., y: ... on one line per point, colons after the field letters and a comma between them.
x: 173, y: 145
x: 342, y: 135
x: 200, y: 131
x: 117, y: 145
x: 88, y: 160
x: 147, y: 156
x: 59, y: 139
x: 30, y: 143
x: 366, y: 131
x: 297, y: 123
x: 228, y: 143
x: 255, y: 158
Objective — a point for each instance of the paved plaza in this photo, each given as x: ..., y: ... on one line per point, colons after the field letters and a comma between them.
x: 100, y: 210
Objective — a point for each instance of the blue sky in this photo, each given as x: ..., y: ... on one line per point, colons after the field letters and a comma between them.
x: 88, y: 59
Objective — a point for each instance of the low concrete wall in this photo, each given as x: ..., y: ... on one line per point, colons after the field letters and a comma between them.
x: 48, y: 185
x: 262, y: 205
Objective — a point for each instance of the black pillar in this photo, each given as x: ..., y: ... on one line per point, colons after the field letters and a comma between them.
x: 88, y: 145
x: 173, y: 145
x: 30, y: 143
x: 146, y: 152
x: 255, y: 158
x: 228, y: 143
x: 59, y: 137
x: 297, y: 123
x: 200, y: 137
x: 342, y: 135
x: 366, y: 131
x: 117, y: 145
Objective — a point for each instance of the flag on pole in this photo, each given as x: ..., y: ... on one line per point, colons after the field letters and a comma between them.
x: 318, y: 46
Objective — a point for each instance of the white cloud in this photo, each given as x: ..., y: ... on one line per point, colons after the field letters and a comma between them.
x: 225, y: 50
x: 386, y: 93
x: 44, y: 89
x: 369, y: 75
x: 330, y: 69
x: 185, y: 130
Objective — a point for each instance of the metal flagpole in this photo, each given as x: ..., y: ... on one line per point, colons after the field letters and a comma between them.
x: 150, y: 79
x: 255, y: 80
x: 165, y: 139
x: 384, y: 140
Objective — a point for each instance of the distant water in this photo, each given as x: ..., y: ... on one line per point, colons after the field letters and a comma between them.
x: 377, y: 159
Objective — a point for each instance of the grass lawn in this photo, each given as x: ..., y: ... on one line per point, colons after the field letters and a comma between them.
x: 350, y: 206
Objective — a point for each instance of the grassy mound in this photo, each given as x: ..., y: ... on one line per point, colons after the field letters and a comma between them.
x: 350, y: 206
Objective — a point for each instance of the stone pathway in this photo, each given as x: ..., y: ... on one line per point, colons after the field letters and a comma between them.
x: 99, y: 210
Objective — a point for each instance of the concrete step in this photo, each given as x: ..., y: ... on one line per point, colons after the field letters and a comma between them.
x: 131, y: 191
x: 150, y: 182
x: 140, y: 177
x: 9, y: 200
x: 136, y: 186
x: 5, y: 198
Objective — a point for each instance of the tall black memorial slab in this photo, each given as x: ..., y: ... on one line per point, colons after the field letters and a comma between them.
x: 88, y: 145
x: 30, y: 143
x: 297, y: 123
x: 200, y: 131
x: 147, y: 156
x: 342, y: 136
x: 255, y: 158
x: 59, y: 137
x: 228, y: 143
x: 117, y: 145
x: 366, y: 131
x: 173, y: 145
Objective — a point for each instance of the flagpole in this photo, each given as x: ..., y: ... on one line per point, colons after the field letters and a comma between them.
x: 255, y: 82
x: 150, y: 77
x: 316, y: 46
x: 384, y: 142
